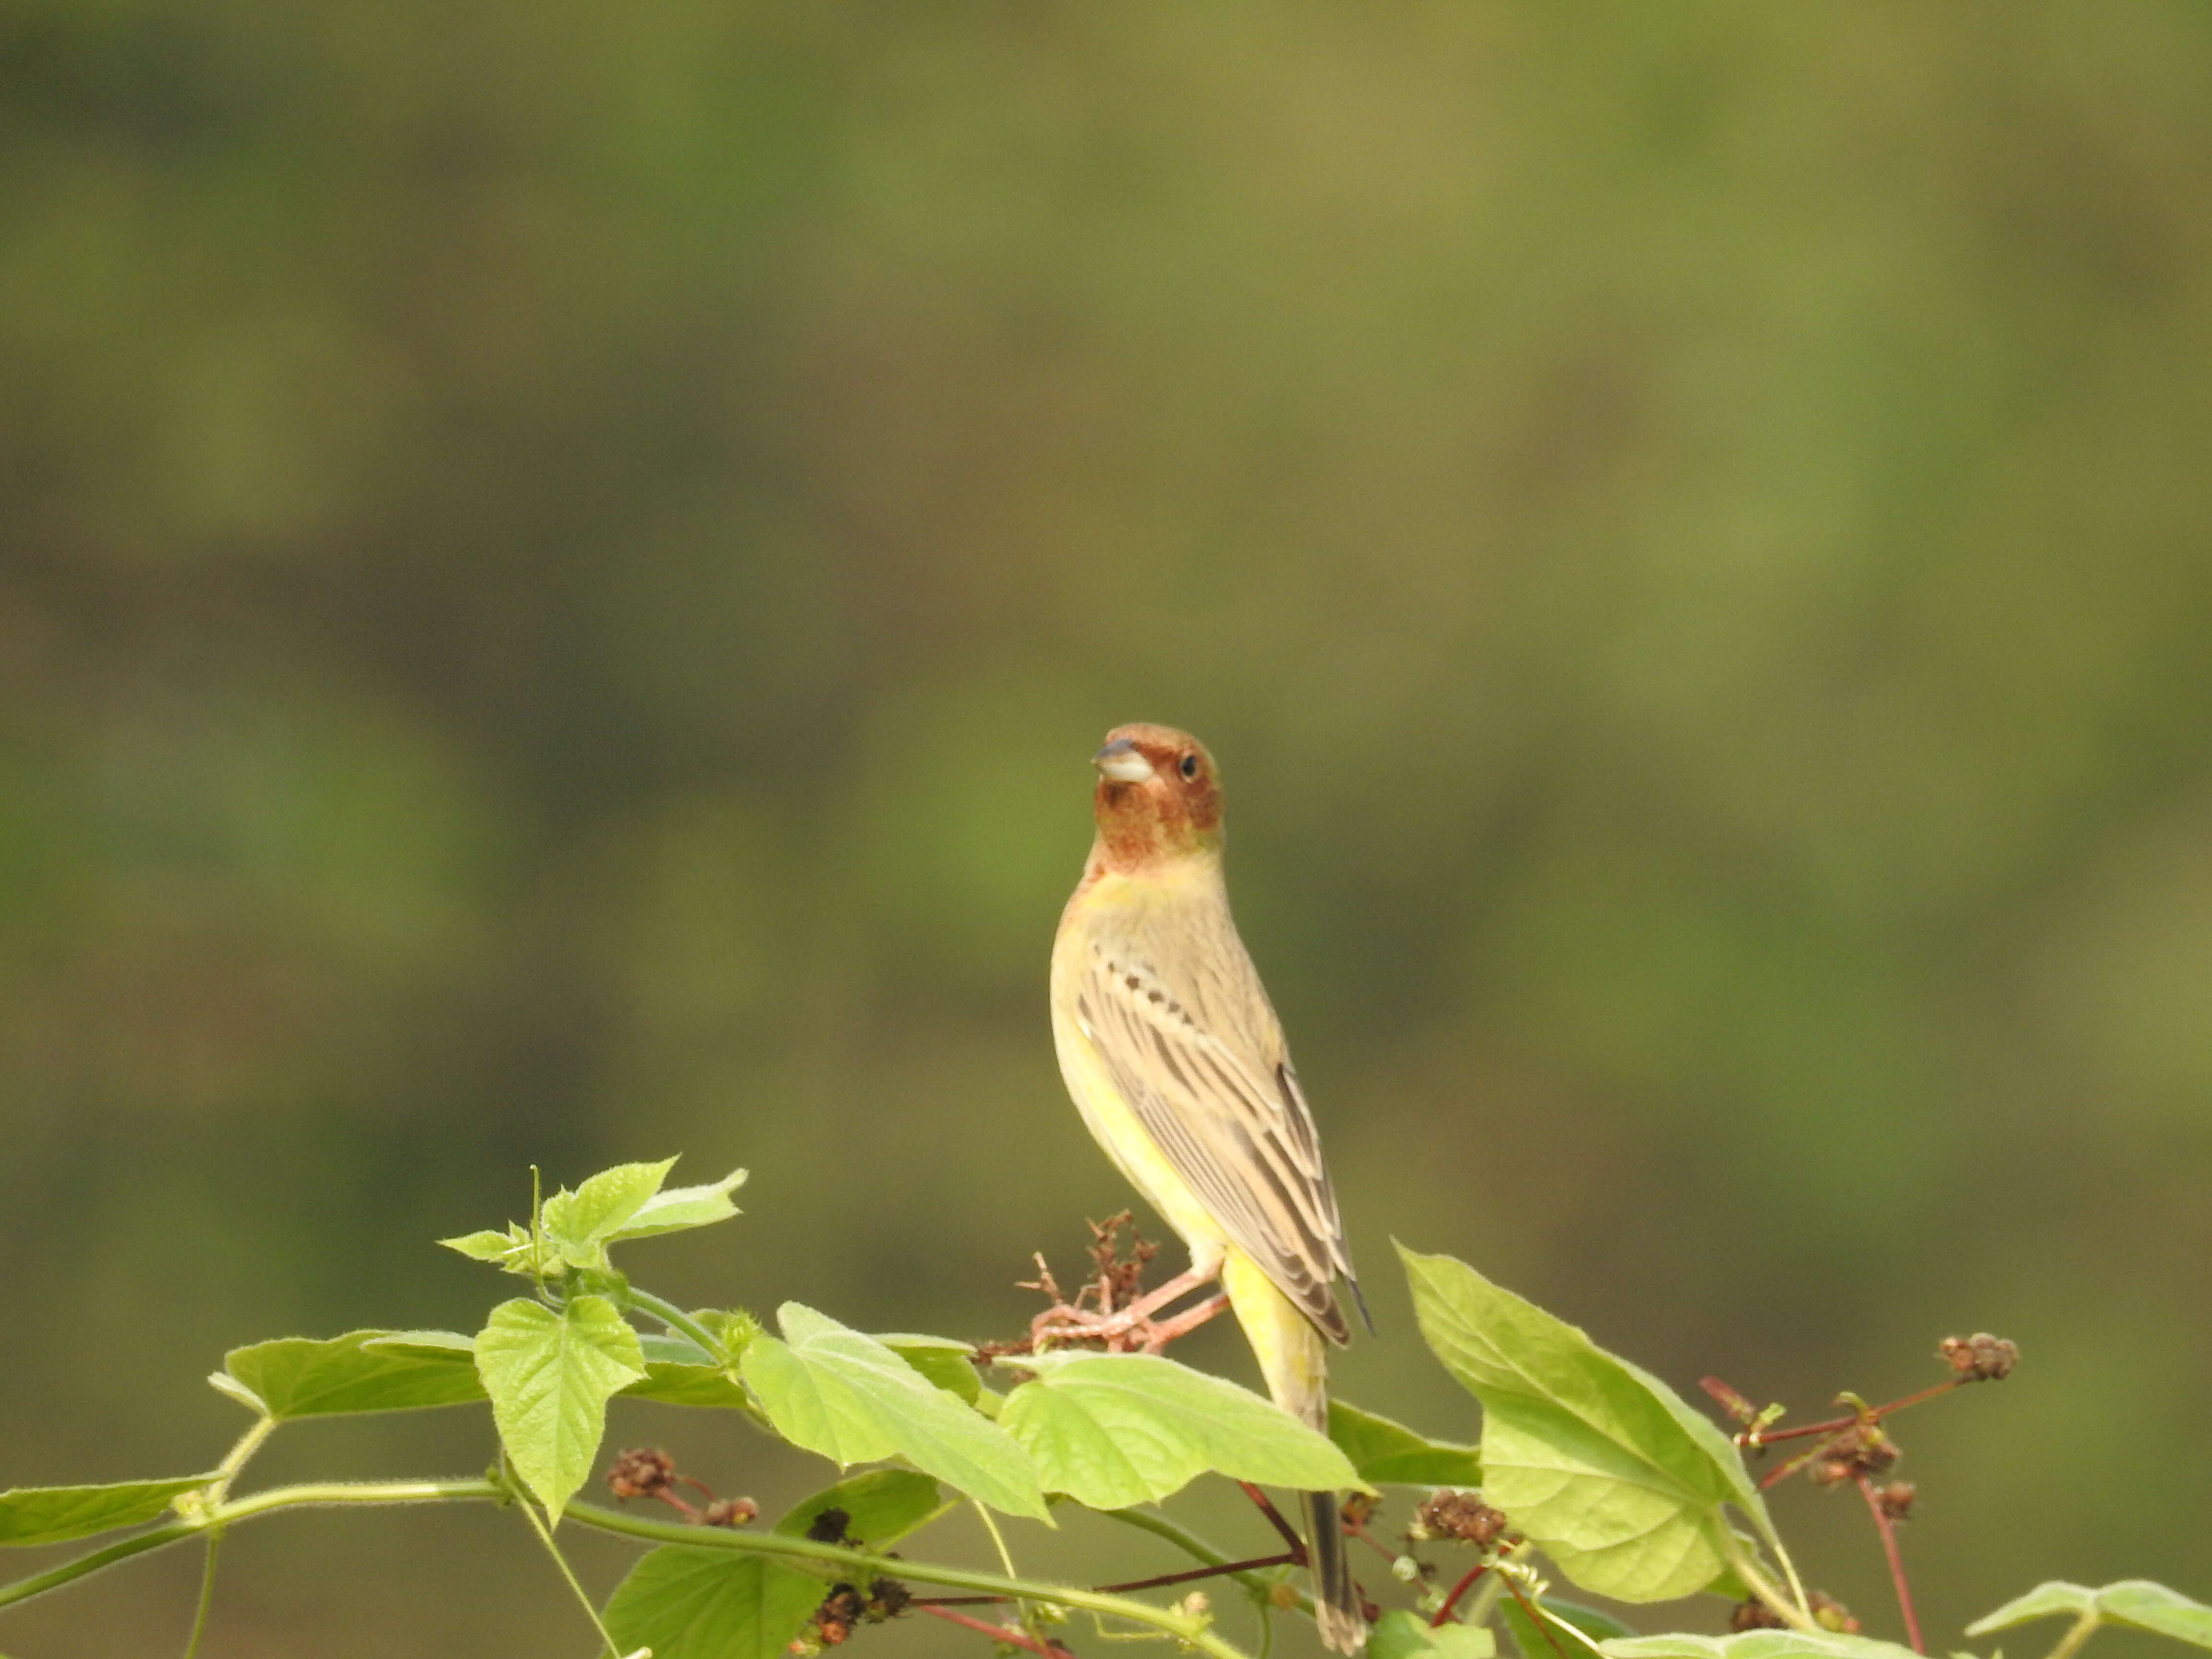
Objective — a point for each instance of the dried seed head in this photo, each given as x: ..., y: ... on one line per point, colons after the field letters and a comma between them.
x: 1752, y: 1614
x: 642, y: 1472
x: 1864, y: 1450
x: 840, y: 1611
x: 730, y: 1512
x: 1357, y: 1510
x: 1896, y: 1499
x: 1980, y: 1358
x: 1458, y: 1515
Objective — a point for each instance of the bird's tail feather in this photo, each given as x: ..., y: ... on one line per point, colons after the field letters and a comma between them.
x: 1294, y: 1359
x: 1336, y: 1601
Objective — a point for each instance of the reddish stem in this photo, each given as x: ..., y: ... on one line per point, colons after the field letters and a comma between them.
x: 1184, y: 1577
x: 1881, y: 1524
x: 1537, y: 1619
x: 1874, y: 1414
x: 1371, y: 1541
x: 1774, y: 1476
x: 1020, y: 1639
x: 1289, y: 1533
x: 1451, y: 1602
x: 1256, y: 1563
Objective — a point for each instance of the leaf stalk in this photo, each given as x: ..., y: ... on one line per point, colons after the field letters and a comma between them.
x: 2082, y: 1629
x: 1760, y: 1586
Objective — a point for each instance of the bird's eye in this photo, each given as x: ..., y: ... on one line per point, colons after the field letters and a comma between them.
x: 1189, y: 768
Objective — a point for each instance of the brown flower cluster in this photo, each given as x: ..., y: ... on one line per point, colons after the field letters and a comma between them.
x: 648, y: 1472
x: 1980, y: 1358
x: 1458, y: 1515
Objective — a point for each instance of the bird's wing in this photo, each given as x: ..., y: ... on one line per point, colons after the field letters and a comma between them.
x: 1229, y: 1118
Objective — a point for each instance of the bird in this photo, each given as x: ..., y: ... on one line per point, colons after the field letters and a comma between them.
x: 1177, y: 1062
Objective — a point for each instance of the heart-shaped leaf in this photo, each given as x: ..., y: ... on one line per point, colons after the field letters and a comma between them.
x: 550, y: 1375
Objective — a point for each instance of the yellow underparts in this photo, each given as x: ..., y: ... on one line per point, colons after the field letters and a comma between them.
x: 1292, y: 1355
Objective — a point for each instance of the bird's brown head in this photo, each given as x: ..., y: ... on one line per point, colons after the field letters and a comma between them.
x: 1160, y: 797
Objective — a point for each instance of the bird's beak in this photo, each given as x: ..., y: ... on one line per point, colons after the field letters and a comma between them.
x: 1118, y: 762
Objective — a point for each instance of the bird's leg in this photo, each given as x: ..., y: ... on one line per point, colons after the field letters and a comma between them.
x: 1132, y: 1326
x: 1198, y: 1273
x: 1158, y: 1336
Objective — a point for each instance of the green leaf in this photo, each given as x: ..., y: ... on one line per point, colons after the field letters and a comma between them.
x: 714, y: 1604
x: 681, y: 1373
x: 2137, y: 1603
x: 1614, y: 1474
x: 579, y: 1224
x: 1115, y: 1430
x: 517, y: 1250
x: 2045, y: 1600
x: 550, y: 1375
x: 710, y: 1604
x: 1389, y: 1454
x: 299, y: 1376
x: 832, y: 1390
x: 942, y: 1360
x: 51, y: 1515
x: 488, y: 1245
x: 2141, y: 1605
x: 450, y: 1347
x: 1753, y: 1644
x: 881, y: 1506
x: 1403, y: 1635
x: 680, y: 1207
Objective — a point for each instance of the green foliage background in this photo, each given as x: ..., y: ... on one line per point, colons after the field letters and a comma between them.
x: 559, y: 567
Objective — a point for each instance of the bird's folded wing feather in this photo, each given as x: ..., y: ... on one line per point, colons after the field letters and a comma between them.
x: 1228, y: 1118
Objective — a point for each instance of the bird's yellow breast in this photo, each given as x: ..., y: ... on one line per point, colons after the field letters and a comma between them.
x: 1115, y: 906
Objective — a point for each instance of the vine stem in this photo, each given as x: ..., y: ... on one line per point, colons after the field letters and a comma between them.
x: 207, y: 1597
x: 1194, y: 1631
x: 675, y: 1318
x: 175, y: 1532
x: 1882, y: 1525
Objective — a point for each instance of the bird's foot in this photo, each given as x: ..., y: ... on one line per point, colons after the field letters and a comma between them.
x: 1132, y: 1329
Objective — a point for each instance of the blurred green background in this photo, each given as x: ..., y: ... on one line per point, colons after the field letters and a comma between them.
x: 560, y: 567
